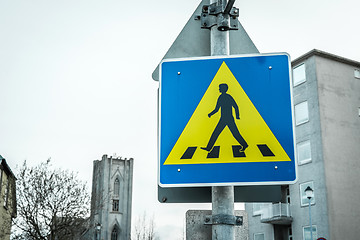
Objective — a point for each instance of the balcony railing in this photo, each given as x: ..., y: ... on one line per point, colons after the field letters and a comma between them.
x: 276, y: 213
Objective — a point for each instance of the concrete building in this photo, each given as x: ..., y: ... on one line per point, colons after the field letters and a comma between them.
x: 111, y: 199
x: 327, y: 113
x: 7, y: 199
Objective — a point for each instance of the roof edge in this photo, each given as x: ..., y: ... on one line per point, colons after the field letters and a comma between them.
x: 6, y: 166
x: 316, y: 52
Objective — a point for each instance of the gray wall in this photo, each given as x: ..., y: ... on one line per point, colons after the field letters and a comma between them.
x: 314, y: 170
x: 339, y: 98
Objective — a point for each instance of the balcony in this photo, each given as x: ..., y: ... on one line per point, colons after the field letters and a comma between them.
x: 277, y: 213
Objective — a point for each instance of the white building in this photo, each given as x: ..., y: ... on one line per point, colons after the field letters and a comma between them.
x: 111, y: 199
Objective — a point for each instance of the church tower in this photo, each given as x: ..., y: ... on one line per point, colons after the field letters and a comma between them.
x: 111, y: 199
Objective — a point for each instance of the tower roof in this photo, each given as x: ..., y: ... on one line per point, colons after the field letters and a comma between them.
x: 6, y: 167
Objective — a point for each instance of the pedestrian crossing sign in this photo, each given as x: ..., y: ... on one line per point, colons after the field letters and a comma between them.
x: 226, y: 121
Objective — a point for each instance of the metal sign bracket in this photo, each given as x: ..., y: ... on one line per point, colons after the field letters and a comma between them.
x: 223, y: 219
x: 225, y: 17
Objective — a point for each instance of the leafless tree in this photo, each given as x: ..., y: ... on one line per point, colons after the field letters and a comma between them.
x: 51, y: 203
x: 144, y: 228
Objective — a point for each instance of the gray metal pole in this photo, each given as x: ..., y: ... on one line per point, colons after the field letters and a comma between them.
x: 311, y: 235
x: 222, y: 197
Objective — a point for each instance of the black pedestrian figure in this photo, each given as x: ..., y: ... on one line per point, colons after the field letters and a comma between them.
x: 226, y: 102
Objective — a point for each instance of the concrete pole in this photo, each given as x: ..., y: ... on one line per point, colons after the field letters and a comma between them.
x: 222, y: 197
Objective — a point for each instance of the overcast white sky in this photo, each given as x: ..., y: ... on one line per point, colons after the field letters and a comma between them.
x: 75, y: 77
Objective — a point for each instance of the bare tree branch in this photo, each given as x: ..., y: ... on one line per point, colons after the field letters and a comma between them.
x: 144, y: 228
x: 52, y: 203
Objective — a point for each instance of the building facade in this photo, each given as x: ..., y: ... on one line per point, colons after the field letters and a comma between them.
x: 7, y: 199
x: 326, y: 94
x: 111, y: 199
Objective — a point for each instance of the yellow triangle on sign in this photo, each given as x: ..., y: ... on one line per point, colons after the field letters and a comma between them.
x: 200, y: 127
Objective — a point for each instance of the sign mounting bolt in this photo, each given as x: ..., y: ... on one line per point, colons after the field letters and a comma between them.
x: 179, y: 73
x: 276, y: 167
x: 270, y: 67
x: 179, y: 170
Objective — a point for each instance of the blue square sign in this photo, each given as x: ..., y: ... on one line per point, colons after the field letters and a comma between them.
x: 226, y: 121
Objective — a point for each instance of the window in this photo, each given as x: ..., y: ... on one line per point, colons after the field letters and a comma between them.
x: 258, y: 208
x: 307, y: 232
x: 115, y: 205
x: 303, y: 152
x: 299, y: 74
x: 288, y: 199
x: 301, y: 113
x: 6, y: 191
x: 116, y: 187
x: 114, y: 234
x: 290, y: 233
x: 259, y: 236
x: 0, y: 179
x: 357, y: 73
x: 304, y: 200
